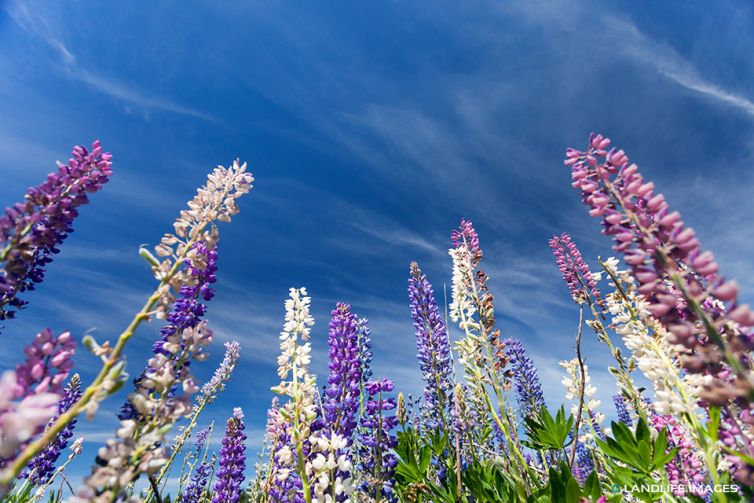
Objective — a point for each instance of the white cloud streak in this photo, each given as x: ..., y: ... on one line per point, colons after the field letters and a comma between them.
x: 668, y: 63
x: 36, y: 23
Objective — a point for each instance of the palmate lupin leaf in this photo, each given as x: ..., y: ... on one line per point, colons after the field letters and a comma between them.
x: 548, y: 433
x: 634, y: 456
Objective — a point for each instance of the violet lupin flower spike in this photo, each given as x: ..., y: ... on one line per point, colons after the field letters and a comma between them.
x: 378, y: 462
x: 575, y: 271
x: 525, y: 379
x: 197, y: 484
x: 680, y: 281
x: 41, y: 467
x: 30, y: 232
x: 365, y: 348
x: 341, y: 399
x: 35, y: 384
x: 222, y: 374
x: 156, y: 402
x: 232, y: 462
x: 622, y: 410
x: 432, y: 347
x: 186, y: 315
x: 48, y: 361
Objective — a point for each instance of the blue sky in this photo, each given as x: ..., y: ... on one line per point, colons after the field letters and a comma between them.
x: 371, y: 129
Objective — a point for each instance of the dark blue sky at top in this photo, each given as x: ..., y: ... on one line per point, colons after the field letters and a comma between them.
x: 371, y: 129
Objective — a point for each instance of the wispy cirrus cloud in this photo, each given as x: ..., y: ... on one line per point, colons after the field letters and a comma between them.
x: 671, y: 65
x: 35, y: 22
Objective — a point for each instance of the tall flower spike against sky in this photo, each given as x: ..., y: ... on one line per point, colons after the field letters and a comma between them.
x: 372, y: 128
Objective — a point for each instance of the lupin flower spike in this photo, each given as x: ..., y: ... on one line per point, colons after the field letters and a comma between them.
x: 32, y: 231
x: 432, y: 347
x: 35, y: 386
x: 378, y: 462
x: 41, y: 467
x: 232, y: 462
x: 680, y: 281
x: 525, y: 379
x: 575, y: 271
x: 341, y: 397
x: 211, y: 388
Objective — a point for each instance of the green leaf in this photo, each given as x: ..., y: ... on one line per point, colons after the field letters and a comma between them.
x: 592, y: 487
x: 573, y: 491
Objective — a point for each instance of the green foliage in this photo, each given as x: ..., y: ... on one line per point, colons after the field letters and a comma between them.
x: 634, y: 458
x: 548, y: 433
x: 488, y: 482
x: 562, y: 487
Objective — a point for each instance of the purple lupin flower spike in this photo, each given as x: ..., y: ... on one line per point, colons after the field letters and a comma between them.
x: 201, y: 438
x: 31, y: 232
x: 197, y: 484
x: 432, y: 348
x: 622, y: 409
x: 48, y: 361
x: 680, y: 282
x: 365, y: 348
x: 341, y: 400
x: 378, y: 462
x: 575, y: 271
x: 232, y: 462
x: 584, y: 463
x: 187, y: 312
x: 222, y: 374
x: 525, y: 379
x: 35, y: 384
x: 686, y: 470
x: 42, y: 465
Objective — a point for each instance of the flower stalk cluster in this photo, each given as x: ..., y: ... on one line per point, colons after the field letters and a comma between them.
x: 215, y: 201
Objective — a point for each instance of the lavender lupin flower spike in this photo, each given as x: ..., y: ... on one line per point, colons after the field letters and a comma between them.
x: 30, y: 232
x: 35, y: 384
x: 197, y: 484
x: 622, y: 410
x: 678, y: 279
x: 232, y: 462
x: 525, y: 378
x: 432, y: 347
x: 378, y: 462
x: 575, y: 271
x: 40, y: 468
x: 341, y: 400
x: 223, y: 372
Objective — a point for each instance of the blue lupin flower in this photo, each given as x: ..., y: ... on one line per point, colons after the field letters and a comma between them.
x: 525, y: 378
x: 232, y: 462
x: 432, y: 347
x: 378, y: 462
x: 341, y: 396
x: 42, y: 465
x: 622, y: 409
x: 197, y: 484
